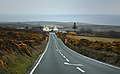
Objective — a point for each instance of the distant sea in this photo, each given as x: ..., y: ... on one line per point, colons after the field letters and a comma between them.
x: 93, y: 19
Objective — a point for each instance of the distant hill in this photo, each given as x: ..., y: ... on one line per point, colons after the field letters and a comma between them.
x: 47, y: 23
x: 65, y: 25
x: 16, y: 24
x: 43, y: 22
x: 31, y: 24
x: 94, y: 27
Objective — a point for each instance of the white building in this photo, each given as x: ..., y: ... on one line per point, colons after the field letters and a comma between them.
x: 45, y: 28
x: 55, y: 29
x: 20, y: 28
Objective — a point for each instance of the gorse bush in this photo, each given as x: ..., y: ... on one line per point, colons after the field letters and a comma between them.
x: 102, y: 51
x: 19, y: 49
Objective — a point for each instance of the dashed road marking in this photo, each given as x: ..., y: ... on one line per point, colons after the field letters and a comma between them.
x: 64, y: 57
x: 67, y: 60
x: 66, y: 63
x: 80, y: 69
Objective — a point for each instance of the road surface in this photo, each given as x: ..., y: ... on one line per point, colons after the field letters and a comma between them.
x: 59, y: 59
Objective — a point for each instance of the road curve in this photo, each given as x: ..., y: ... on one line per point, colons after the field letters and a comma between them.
x: 59, y: 59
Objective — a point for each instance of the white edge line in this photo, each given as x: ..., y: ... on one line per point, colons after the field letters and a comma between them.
x: 80, y: 69
x: 40, y: 58
x: 90, y: 58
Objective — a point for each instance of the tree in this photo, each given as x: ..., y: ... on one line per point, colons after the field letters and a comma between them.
x: 74, y: 27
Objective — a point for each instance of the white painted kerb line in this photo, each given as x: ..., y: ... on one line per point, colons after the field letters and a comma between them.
x: 40, y: 58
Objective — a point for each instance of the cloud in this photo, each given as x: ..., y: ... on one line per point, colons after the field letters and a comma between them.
x: 59, y: 7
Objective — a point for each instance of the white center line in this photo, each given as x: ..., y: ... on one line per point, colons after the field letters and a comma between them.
x: 80, y: 69
x: 66, y: 63
x: 67, y: 60
x: 64, y: 57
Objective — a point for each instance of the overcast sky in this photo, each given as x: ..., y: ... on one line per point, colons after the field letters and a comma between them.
x: 55, y: 7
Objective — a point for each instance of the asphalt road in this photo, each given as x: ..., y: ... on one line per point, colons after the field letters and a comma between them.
x: 59, y: 59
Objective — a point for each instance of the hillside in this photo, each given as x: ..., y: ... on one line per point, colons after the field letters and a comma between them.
x: 19, y: 49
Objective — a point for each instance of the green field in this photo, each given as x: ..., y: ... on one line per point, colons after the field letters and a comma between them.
x: 95, y: 38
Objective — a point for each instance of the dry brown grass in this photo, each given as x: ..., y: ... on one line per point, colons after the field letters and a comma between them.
x: 94, y: 38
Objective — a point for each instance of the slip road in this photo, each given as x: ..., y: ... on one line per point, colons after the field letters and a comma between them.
x: 59, y: 59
